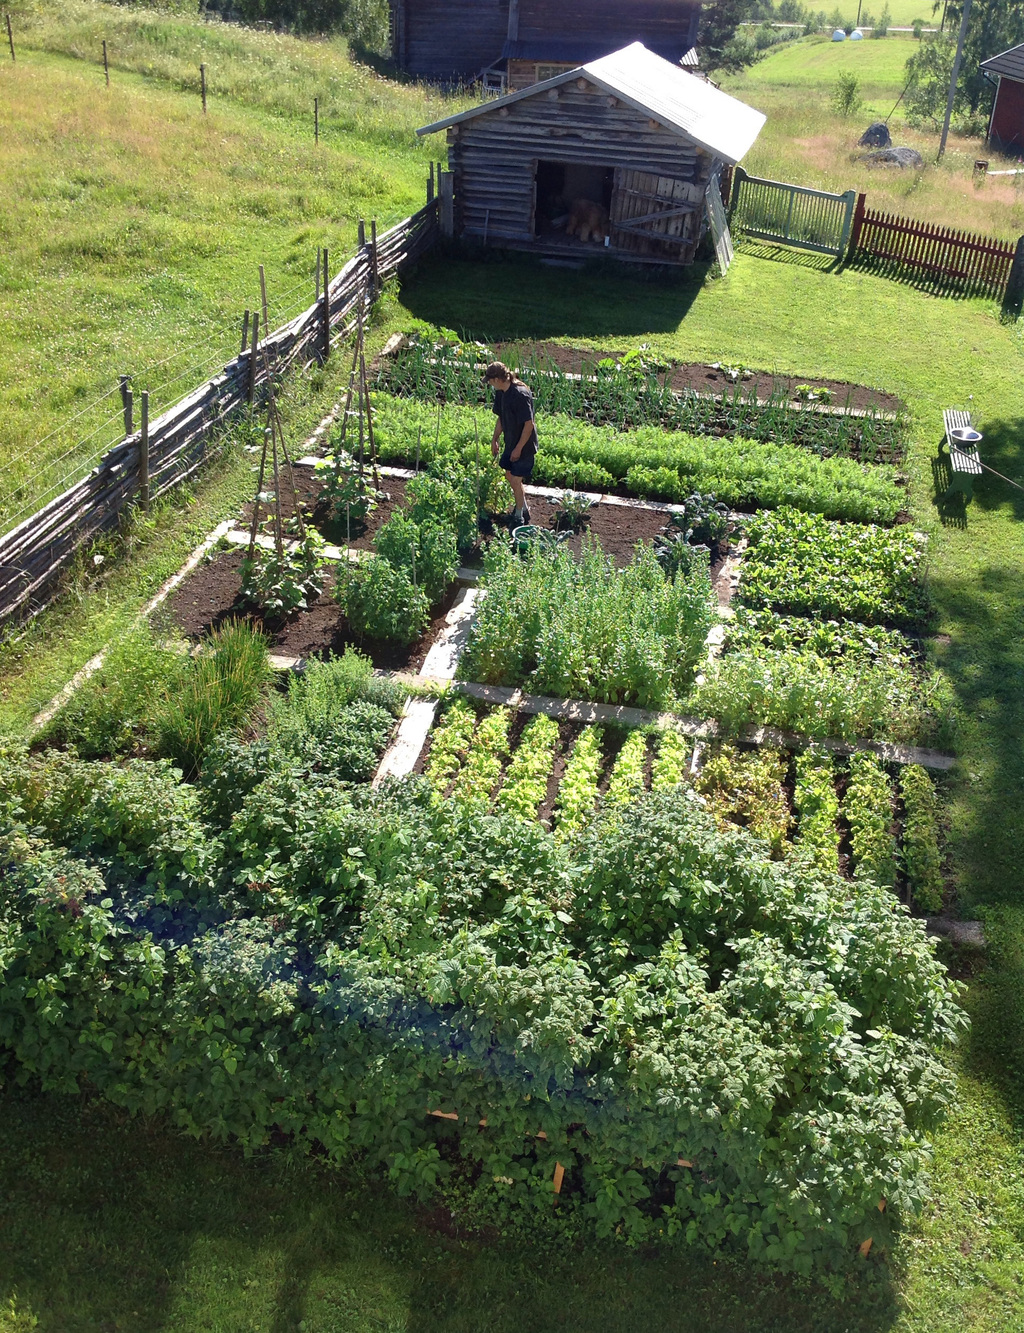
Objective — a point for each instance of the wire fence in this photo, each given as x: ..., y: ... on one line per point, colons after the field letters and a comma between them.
x: 72, y: 498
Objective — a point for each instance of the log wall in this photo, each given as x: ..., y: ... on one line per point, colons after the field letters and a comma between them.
x: 494, y: 155
x: 448, y: 40
x: 35, y: 554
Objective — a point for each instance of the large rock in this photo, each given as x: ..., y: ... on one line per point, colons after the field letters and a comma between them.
x: 876, y: 136
x: 894, y: 157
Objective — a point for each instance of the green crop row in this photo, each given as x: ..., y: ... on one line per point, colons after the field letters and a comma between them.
x: 650, y: 463
x: 804, y: 564
x: 627, y: 776
x: 867, y: 808
x: 817, y: 808
x: 627, y: 398
x: 747, y: 788
x: 671, y: 755
x: 449, y: 744
x: 526, y: 779
x: 481, y: 769
x: 922, y: 861
x: 577, y: 792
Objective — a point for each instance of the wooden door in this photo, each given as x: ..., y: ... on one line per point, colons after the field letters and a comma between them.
x: 658, y: 216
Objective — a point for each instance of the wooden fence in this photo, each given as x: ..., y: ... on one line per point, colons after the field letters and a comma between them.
x: 980, y: 263
x: 792, y: 214
x: 35, y: 553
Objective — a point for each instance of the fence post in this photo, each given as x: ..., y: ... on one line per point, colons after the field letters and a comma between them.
x: 202, y: 84
x: 144, y: 453
x: 857, y: 225
x: 326, y: 315
x: 374, y: 270
x: 430, y: 185
x: 252, y: 353
x: 1013, y: 298
x: 245, y: 333
x: 10, y: 36
x: 361, y: 234
x: 106, y: 67
x: 126, y: 399
x: 736, y: 192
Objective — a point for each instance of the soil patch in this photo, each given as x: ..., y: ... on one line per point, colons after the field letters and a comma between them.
x: 705, y: 378
x: 306, y: 495
x: 212, y: 594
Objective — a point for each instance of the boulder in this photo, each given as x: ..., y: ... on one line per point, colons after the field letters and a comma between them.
x: 876, y: 136
x: 894, y: 157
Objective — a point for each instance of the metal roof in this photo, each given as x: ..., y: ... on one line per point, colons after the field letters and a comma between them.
x: 1009, y: 63
x: 716, y: 122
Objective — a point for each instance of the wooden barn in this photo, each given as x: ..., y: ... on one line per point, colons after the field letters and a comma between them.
x: 631, y: 144
x: 510, y: 44
x: 1006, y: 126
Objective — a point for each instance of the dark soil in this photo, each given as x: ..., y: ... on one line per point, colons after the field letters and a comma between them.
x: 211, y: 595
x: 308, y: 486
x: 704, y: 379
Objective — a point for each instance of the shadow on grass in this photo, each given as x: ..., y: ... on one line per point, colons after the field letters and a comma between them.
x: 922, y: 280
x: 499, y: 296
x: 787, y: 254
x: 110, y: 1223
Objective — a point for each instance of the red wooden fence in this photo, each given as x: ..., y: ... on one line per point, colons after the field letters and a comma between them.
x: 980, y: 262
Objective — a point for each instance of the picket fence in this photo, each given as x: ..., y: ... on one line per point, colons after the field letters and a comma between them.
x: 35, y: 554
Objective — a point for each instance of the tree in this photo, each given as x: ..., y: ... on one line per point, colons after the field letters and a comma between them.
x: 720, y: 48
x: 365, y: 21
x: 994, y: 25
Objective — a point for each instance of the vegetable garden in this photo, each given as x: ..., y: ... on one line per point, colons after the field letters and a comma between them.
x: 572, y: 974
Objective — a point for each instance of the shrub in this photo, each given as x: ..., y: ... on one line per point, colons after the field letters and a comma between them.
x: 426, y: 550
x: 112, y: 710
x: 587, y: 630
x: 921, y: 860
x: 867, y: 807
x: 381, y: 601
x: 232, y: 768
x: 846, y: 99
x: 224, y: 685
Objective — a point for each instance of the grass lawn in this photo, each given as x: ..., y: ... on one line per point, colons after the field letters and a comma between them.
x: 804, y: 141
x: 133, y: 227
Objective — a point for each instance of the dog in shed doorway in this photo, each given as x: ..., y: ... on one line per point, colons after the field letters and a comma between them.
x: 588, y: 221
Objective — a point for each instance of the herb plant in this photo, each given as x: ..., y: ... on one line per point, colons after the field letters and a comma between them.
x: 382, y: 602
x: 584, y: 629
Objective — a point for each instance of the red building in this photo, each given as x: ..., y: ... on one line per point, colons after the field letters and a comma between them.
x: 1006, y: 128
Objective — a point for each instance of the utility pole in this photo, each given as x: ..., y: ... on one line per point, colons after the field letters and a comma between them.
x: 957, y: 59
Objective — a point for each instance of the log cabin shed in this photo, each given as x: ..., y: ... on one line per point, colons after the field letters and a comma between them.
x: 1006, y: 125
x: 510, y: 44
x: 634, y: 134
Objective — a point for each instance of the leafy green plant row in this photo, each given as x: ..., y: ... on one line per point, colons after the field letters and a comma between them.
x: 817, y: 807
x: 868, y: 809
x: 339, y: 963
x: 582, y: 629
x: 746, y: 787
x: 650, y: 463
x: 922, y: 861
x: 805, y: 564
x: 631, y: 396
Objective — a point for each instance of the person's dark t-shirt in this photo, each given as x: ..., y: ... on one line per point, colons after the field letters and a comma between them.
x: 514, y: 406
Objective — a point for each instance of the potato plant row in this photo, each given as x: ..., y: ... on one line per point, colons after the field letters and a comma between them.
x: 844, y: 816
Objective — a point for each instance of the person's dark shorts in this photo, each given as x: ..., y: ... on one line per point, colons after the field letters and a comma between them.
x: 523, y: 468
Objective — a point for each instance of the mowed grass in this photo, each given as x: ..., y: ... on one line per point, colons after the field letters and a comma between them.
x: 132, y: 226
x: 805, y: 142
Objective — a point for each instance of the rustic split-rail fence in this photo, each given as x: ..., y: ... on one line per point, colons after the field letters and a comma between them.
x: 168, y: 450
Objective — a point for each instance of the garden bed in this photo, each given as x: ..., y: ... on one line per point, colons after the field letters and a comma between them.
x: 210, y: 596
x: 308, y: 486
x: 704, y: 378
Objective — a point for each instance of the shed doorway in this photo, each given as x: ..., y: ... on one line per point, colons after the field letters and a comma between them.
x: 561, y: 185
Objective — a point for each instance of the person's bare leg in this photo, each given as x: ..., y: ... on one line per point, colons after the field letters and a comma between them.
x: 518, y: 493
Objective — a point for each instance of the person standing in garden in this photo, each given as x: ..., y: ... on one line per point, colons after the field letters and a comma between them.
x: 513, y: 406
